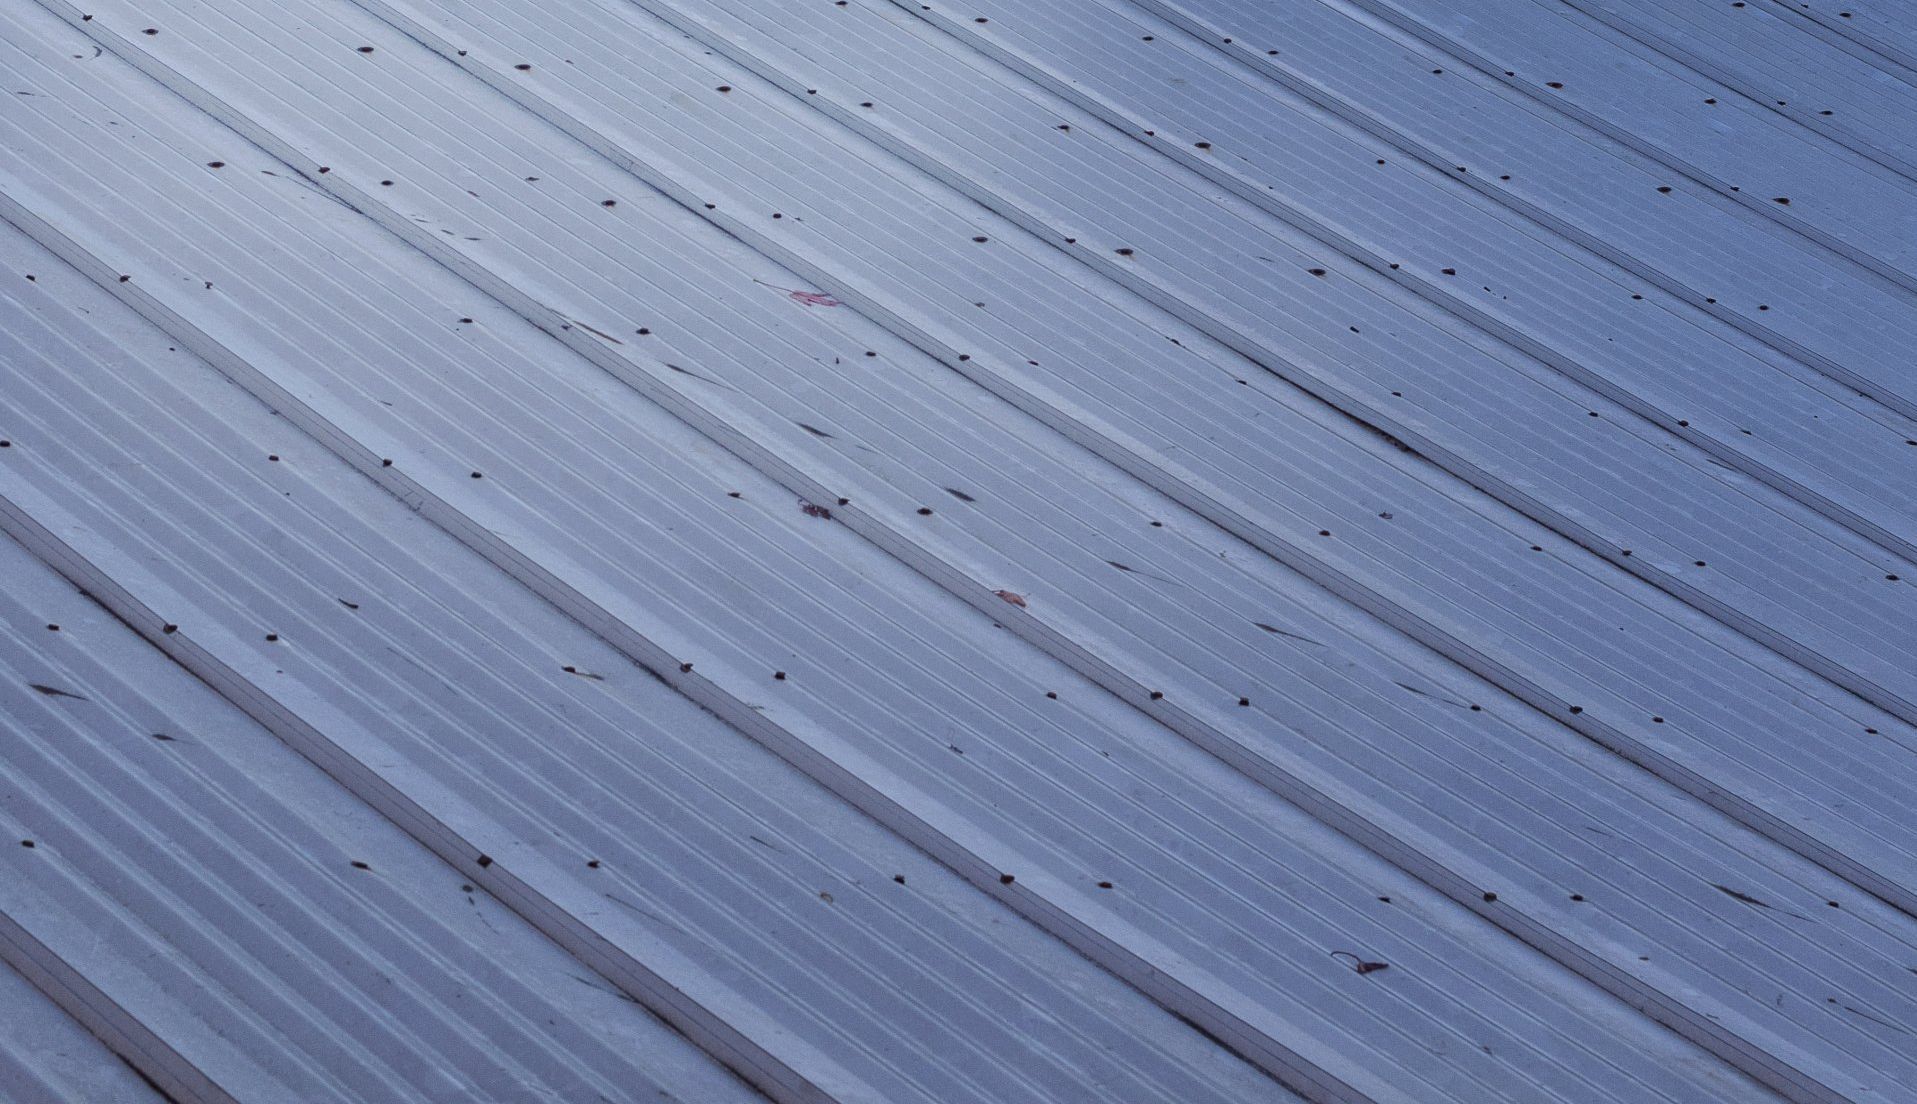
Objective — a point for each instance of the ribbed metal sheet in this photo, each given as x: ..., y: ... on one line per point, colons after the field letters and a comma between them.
x: 1737, y: 254
x: 663, y: 831
x: 1359, y: 202
x: 1580, y: 643
x: 1222, y: 664
x: 934, y: 400
x: 280, y: 938
x: 1880, y: 34
x: 1603, y: 501
x: 47, y: 1058
x: 1673, y: 116
x: 1763, y: 55
x: 1228, y: 893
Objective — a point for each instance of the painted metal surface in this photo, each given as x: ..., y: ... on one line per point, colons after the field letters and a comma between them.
x: 1008, y: 473
x: 279, y: 938
x: 47, y: 1058
x: 739, y: 884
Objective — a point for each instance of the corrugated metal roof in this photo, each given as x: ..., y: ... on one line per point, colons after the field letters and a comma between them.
x: 695, y: 855
x: 278, y: 938
x: 46, y: 1057
x: 1114, y: 549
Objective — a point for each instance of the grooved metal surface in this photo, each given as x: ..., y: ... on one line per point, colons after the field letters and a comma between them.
x: 1010, y: 553
x: 47, y: 1058
x: 281, y: 939
x: 1880, y: 34
x: 654, y: 827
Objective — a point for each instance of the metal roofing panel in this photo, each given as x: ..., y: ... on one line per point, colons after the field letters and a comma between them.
x: 1048, y: 605
x: 1215, y: 823
x: 1071, y: 599
x: 1198, y: 849
x: 1735, y: 254
x: 48, y: 1058
x: 1745, y: 581
x: 279, y: 937
x: 1352, y: 197
x: 1764, y: 56
x: 1574, y: 481
x: 666, y: 832
x: 1881, y: 34
x: 1571, y: 65
x: 1558, y: 670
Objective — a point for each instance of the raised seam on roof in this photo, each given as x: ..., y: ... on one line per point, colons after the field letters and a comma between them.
x: 1471, y: 658
x: 1697, y: 1028
x: 1276, y: 70
x: 757, y: 1066
x: 1076, y: 644
x: 122, y: 1032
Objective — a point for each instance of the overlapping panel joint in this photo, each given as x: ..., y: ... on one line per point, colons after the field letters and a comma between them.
x: 1101, y: 550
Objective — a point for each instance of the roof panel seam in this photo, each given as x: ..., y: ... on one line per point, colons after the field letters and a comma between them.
x: 1740, y: 83
x: 1681, y: 1019
x: 1847, y: 36
x: 165, y: 1068
x: 1161, y: 142
x: 628, y: 975
x: 1115, y: 453
x: 720, y: 1040
x: 1895, y: 278
x: 1368, y: 417
x: 1420, y: 629
x: 876, y: 958
x: 1576, y: 113
x: 1389, y: 13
